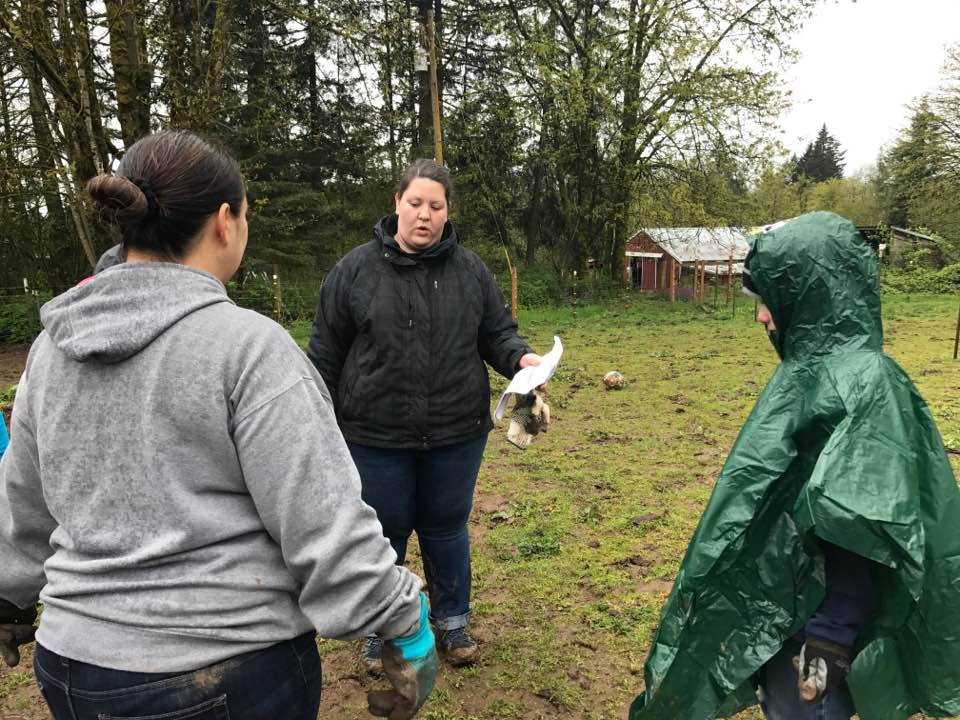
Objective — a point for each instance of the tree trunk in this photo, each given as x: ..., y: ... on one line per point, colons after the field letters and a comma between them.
x: 176, y: 80
x: 132, y: 73
x: 386, y: 72
x: 210, y: 107
x: 89, y: 102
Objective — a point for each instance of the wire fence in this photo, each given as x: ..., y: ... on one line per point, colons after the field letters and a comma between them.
x: 290, y: 299
x: 269, y: 294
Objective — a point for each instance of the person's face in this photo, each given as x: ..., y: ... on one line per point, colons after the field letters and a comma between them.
x: 231, y: 231
x: 421, y: 215
x: 237, y: 232
x: 765, y: 318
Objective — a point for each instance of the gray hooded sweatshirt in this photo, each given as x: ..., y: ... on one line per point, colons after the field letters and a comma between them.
x: 176, y: 491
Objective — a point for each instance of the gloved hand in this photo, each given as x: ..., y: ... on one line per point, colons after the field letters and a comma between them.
x: 821, y: 667
x: 530, y: 416
x: 410, y: 662
x: 16, y: 629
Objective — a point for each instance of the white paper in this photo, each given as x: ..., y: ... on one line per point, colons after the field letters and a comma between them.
x: 529, y: 378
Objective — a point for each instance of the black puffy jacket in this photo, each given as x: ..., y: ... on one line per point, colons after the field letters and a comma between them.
x: 401, y: 342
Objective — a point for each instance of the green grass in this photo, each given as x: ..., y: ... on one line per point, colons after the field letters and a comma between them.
x: 577, y: 539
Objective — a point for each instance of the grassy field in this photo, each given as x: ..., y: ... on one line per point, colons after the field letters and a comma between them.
x: 577, y: 539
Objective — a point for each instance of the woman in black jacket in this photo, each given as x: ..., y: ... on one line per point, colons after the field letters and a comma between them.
x: 402, y: 331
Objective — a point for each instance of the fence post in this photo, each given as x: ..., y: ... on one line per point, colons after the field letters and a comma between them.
x: 277, y: 306
x: 673, y: 280
x: 574, y: 294
x: 513, y: 286
x: 733, y: 303
x: 729, y: 278
x: 956, y: 340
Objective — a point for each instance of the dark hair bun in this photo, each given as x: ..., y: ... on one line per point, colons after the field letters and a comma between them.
x: 117, y: 199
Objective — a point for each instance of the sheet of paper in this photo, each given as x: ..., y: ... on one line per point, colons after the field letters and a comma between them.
x: 529, y: 378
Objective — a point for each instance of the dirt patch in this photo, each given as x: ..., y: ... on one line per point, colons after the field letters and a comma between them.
x: 13, y: 358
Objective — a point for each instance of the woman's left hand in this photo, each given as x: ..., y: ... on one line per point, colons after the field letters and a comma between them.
x: 531, y: 360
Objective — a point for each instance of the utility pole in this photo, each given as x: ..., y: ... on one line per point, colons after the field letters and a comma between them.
x: 422, y: 68
x: 434, y: 87
x: 426, y: 68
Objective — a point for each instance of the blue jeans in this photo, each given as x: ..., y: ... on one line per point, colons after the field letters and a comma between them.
x: 281, y: 681
x: 780, y: 699
x: 430, y: 491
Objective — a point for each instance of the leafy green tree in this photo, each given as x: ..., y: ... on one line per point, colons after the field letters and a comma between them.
x: 855, y: 198
x: 621, y: 90
x: 775, y: 197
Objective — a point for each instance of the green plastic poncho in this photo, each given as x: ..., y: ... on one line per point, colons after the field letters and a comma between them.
x: 839, y: 446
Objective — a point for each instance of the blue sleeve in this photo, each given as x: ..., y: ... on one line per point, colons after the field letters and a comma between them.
x: 849, y: 601
x: 4, y: 440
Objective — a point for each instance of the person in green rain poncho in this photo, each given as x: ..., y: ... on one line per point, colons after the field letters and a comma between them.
x: 824, y: 575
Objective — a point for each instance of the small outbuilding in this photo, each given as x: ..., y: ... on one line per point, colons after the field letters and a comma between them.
x: 677, y: 261
x: 906, y: 245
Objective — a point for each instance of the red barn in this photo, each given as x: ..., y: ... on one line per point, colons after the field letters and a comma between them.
x: 677, y: 261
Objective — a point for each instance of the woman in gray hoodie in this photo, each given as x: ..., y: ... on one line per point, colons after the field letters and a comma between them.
x: 190, y: 535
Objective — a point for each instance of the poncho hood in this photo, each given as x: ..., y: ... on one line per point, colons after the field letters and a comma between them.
x: 819, y: 280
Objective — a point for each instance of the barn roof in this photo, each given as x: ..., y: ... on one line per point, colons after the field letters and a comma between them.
x: 686, y: 244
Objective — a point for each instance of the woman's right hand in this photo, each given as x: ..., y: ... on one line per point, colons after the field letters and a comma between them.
x: 531, y: 360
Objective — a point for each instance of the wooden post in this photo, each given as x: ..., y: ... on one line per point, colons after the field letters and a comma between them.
x: 574, y: 294
x: 729, y: 278
x: 733, y: 311
x: 956, y: 340
x: 277, y: 305
x: 716, y: 281
x: 434, y: 88
x: 673, y: 280
x: 514, y: 303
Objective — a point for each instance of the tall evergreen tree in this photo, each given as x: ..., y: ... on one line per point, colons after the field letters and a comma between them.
x: 822, y: 160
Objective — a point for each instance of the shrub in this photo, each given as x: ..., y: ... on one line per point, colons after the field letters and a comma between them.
x: 20, y: 317
x: 923, y: 280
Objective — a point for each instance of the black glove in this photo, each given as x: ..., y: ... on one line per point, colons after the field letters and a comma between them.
x: 530, y: 416
x: 411, y: 664
x: 16, y: 629
x: 821, y: 667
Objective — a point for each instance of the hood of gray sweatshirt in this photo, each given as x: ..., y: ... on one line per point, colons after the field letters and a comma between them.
x: 108, y: 320
x: 177, y: 491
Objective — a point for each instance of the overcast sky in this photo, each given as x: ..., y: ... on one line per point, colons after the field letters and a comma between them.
x: 862, y: 63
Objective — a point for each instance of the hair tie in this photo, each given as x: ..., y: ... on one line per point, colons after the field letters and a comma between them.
x: 153, y: 209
